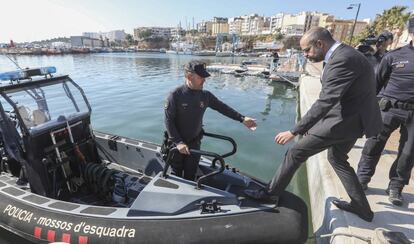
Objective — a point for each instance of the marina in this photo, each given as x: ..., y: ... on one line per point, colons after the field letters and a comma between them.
x: 275, y: 137
x: 274, y: 99
x: 288, y: 71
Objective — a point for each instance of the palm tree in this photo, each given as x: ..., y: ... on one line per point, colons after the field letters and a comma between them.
x: 394, y: 20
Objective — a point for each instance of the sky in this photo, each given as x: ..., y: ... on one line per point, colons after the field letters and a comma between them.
x: 31, y: 20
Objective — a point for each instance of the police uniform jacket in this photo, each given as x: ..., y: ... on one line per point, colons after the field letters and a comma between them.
x: 395, y: 75
x: 184, y: 110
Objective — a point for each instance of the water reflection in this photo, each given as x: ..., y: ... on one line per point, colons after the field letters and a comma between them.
x: 127, y: 92
x: 280, y: 92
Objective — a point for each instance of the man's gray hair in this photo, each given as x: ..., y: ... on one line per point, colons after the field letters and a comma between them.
x: 318, y: 33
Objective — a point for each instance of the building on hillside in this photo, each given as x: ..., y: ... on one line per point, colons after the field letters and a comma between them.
x: 94, y: 35
x: 154, y: 32
x: 252, y: 24
x: 220, y: 26
x: 276, y: 22
x: 113, y: 36
x: 265, y: 29
x: 341, y: 29
x: 291, y: 23
x: 60, y: 45
x: 292, y: 30
x: 83, y: 41
x: 205, y: 27
x: 235, y: 25
x: 324, y: 19
x: 306, y: 19
x: 177, y: 32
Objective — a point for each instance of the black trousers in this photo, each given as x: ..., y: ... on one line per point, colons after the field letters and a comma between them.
x: 400, y: 170
x: 186, y: 165
x: 337, y: 156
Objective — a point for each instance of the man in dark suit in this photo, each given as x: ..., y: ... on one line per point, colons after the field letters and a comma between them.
x: 346, y: 109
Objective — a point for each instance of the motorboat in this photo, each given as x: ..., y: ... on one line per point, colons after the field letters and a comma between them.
x: 62, y: 181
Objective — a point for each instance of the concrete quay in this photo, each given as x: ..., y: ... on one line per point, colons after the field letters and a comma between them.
x: 324, y: 186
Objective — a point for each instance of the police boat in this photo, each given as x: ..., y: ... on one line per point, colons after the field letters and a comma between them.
x: 61, y: 181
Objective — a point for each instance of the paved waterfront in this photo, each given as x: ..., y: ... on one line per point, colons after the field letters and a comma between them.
x: 325, y: 185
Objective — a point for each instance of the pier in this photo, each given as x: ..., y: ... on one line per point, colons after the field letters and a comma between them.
x: 288, y: 71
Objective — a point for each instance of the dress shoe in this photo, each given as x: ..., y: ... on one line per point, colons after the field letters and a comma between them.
x: 261, y: 195
x: 346, y: 206
x: 395, y: 197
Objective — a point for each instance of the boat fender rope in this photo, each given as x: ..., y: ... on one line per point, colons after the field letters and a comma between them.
x: 380, y: 236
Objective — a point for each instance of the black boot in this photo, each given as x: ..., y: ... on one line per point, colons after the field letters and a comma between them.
x: 395, y: 197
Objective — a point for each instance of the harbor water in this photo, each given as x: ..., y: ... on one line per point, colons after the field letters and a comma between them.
x: 127, y: 93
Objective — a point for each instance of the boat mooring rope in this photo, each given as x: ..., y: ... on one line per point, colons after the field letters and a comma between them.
x: 377, y: 238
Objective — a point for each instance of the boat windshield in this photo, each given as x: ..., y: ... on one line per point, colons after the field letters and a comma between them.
x: 39, y: 105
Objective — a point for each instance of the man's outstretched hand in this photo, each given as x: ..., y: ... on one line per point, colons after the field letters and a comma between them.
x: 284, y: 137
x: 250, y: 123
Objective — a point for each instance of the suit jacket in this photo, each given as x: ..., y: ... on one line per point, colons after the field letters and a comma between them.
x: 347, y: 106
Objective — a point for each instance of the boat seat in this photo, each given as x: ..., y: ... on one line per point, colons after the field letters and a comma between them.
x: 39, y: 117
x: 25, y: 114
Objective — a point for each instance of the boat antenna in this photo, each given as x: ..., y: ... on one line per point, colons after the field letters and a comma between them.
x: 15, y: 62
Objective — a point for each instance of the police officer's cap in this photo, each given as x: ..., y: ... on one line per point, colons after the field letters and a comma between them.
x: 197, y: 67
x: 411, y: 25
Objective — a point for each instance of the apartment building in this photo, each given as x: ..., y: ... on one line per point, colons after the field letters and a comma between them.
x: 235, y: 25
x: 113, y: 36
x: 205, y: 27
x: 161, y: 32
x: 341, y: 29
x: 84, y: 41
x: 220, y: 26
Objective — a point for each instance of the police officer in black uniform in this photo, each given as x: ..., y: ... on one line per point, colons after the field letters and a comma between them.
x: 384, y: 40
x: 395, y: 80
x: 184, y: 110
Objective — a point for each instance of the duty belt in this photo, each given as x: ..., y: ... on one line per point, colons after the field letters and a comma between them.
x: 386, y: 104
x: 404, y: 105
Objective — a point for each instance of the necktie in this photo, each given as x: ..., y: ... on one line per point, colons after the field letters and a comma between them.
x: 323, y: 68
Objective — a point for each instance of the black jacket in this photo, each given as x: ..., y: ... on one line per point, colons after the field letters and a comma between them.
x: 395, y: 74
x: 347, y: 106
x: 184, y: 110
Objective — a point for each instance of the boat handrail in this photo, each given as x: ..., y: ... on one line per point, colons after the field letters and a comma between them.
x: 226, y: 138
x: 215, y: 157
